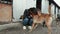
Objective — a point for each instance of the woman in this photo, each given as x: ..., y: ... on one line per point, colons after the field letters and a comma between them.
x: 27, y: 20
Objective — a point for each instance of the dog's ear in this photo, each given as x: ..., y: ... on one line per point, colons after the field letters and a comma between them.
x: 21, y: 17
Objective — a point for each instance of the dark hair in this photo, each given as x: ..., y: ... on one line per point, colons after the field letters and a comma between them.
x: 33, y: 10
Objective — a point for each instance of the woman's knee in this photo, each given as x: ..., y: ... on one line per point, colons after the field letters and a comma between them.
x: 31, y: 21
x: 25, y: 21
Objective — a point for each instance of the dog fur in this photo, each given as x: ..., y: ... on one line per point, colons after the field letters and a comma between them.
x: 40, y: 18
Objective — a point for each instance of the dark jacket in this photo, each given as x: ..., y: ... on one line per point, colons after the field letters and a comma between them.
x: 26, y: 13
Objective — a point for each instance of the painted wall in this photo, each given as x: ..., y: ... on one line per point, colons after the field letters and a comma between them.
x: 20, y: 5
x: 44, y: 8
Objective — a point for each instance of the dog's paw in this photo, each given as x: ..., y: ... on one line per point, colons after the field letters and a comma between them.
x: 30, y: 31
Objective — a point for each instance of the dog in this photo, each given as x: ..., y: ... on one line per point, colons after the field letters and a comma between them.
x: 40, y: 18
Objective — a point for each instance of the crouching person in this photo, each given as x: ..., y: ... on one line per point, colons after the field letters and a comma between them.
x: 27, y: 20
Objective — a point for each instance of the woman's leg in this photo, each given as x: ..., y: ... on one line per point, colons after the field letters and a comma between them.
x: 30, y: 22
x: 25, y: 21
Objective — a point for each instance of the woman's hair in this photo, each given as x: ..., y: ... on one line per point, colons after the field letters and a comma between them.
x: 33, y: 10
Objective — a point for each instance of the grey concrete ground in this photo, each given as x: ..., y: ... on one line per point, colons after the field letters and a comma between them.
x: 38, y: 30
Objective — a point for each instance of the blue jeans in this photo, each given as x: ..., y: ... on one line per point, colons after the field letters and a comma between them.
x: 27, y: 21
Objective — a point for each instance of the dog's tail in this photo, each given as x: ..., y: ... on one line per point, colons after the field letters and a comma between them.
x: 49, y: 10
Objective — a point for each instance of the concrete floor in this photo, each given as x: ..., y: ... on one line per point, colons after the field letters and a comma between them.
x: 38, y: 30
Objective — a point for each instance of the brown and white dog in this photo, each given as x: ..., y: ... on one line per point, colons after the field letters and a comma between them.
x: 40, y: 18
